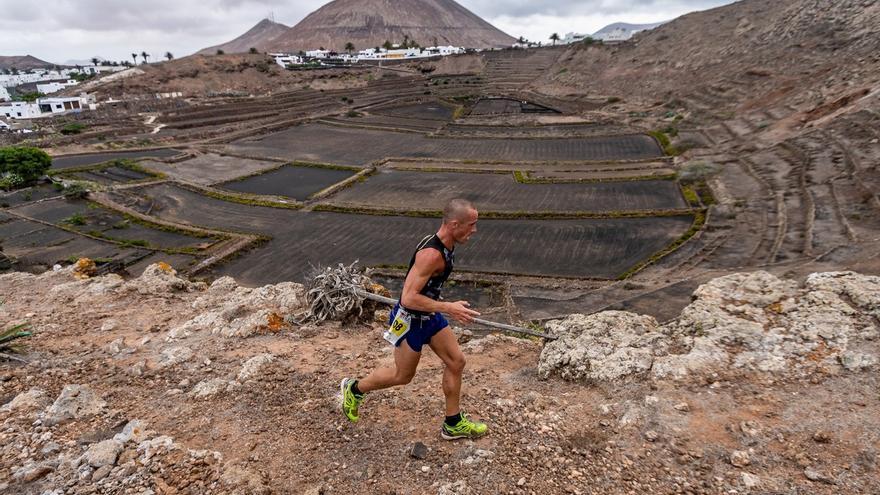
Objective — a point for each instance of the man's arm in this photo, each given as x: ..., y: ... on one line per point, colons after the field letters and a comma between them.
x: 428, y: 262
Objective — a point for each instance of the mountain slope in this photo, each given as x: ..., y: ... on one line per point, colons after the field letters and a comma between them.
x: 25, y: 62
x: 257, y: 37
x: 369, y: 23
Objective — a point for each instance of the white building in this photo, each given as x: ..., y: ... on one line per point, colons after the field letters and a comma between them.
x: 318, y: 53
x: 20, y: 110
x: 574, y: 38
x: 444, y: 50
x: 4, y: 94
x: 4, y: 126
x: 51, y: 87
x: 285, y: 59
x: 43, y: 107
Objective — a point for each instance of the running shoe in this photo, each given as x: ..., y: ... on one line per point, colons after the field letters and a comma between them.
x: 350, y: 401
x: 465, y: 428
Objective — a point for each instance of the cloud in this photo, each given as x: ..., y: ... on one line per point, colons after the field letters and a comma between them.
x: 61, y: 30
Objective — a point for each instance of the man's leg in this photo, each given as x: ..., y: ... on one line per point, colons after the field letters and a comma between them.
x: 406, y: 361
x: 457, y: 424
x: 445, y: 346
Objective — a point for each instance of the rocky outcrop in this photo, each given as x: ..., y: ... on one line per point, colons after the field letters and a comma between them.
x: 230, y: 310
x: 744, y: 322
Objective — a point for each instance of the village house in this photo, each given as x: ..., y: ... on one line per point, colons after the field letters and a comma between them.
x: 44, y: 107
x: 285, y: 59
x: 4, y: 94
x: 53, y: 86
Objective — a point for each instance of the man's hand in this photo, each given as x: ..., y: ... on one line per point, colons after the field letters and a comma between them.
x: 460, y: 311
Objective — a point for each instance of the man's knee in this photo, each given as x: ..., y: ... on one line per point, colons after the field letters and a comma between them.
x: 456, y: 363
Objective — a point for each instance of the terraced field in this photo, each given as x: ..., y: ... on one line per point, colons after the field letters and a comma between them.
x: 602, y: 248
x: 290, y: 181
x: 72, y: 161
x: 327, y: 144
x: 580, y: 247
x: 395, y: 189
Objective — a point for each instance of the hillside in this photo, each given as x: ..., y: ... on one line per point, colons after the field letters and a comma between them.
x: 369, y: 23
x: 160, y: 384
x: 23, y: 62
x: 744, y: 53
x: 258, y: 37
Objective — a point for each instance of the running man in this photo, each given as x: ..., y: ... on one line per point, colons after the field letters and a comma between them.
x: 416, y: 320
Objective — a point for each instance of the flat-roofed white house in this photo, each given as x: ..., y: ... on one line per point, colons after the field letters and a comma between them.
x: 4, y: 94
x: 51, y: 87
x: 285, y: 59
x: 318, y: 53
x: 43, y: 107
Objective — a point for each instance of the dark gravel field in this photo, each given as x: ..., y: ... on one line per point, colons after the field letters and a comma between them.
x: 290, y: 181
x: 346, y: 146
x: 96, y: 158
x: 501, y: 192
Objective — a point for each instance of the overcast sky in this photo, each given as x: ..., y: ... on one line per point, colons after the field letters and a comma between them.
x: 63, y: 30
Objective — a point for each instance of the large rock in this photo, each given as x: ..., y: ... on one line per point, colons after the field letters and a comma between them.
x: 603, y: 346
x: 75, y: 402
x: 751, y: 322
x: 233, y: 311
x: 32, y: 399
x: 103, y: 453
x: 160, y: 278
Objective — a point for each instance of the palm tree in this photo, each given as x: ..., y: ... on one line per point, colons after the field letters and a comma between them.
x: 145, y: 56
x: 253, y: 51
x: 220, y: 52
x: 521, y: 40
x: 349, y: 47
x: 555, y: 38
x: 95, y: 61
x: 134, y: 56
x: 168, y: 55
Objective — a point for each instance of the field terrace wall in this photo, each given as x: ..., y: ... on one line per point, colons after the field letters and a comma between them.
x: 243, y: 116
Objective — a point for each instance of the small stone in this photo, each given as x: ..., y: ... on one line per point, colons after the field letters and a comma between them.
x: 651, y: 436
x: 521, y: 481
x: 101, y: 472
x: 750, y: 428
x: 750, y: 481
x: 426, y: 469
x: 36, y: 473
x: 418, y: 451
x: 740, y: 458
x: 104, y: 453
x: 821, y: 437
x: 682, y: 407
x: 814, y: 475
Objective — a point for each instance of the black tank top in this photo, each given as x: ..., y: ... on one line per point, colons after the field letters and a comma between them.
x: 435, y: 283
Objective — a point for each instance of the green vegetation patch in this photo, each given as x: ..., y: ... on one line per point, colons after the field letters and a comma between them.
x: 21, y: 166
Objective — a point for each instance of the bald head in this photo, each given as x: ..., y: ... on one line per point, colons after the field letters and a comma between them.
x: 457, y: 209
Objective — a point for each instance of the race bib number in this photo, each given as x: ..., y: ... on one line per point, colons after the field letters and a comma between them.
x: 399, y: 326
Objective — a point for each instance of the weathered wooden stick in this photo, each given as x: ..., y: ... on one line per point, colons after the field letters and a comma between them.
x: 500, y: 326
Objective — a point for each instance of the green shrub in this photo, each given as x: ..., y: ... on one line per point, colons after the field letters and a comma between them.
x: 21, y: 165
x: 72, y: 128
x: 75, y: 191
x: 75, y: 219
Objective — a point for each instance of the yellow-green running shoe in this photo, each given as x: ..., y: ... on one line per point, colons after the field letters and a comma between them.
x: 465, y: 428
x: 350, y: 401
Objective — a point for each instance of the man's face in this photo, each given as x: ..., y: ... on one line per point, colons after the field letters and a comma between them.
x: 465, y: 227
